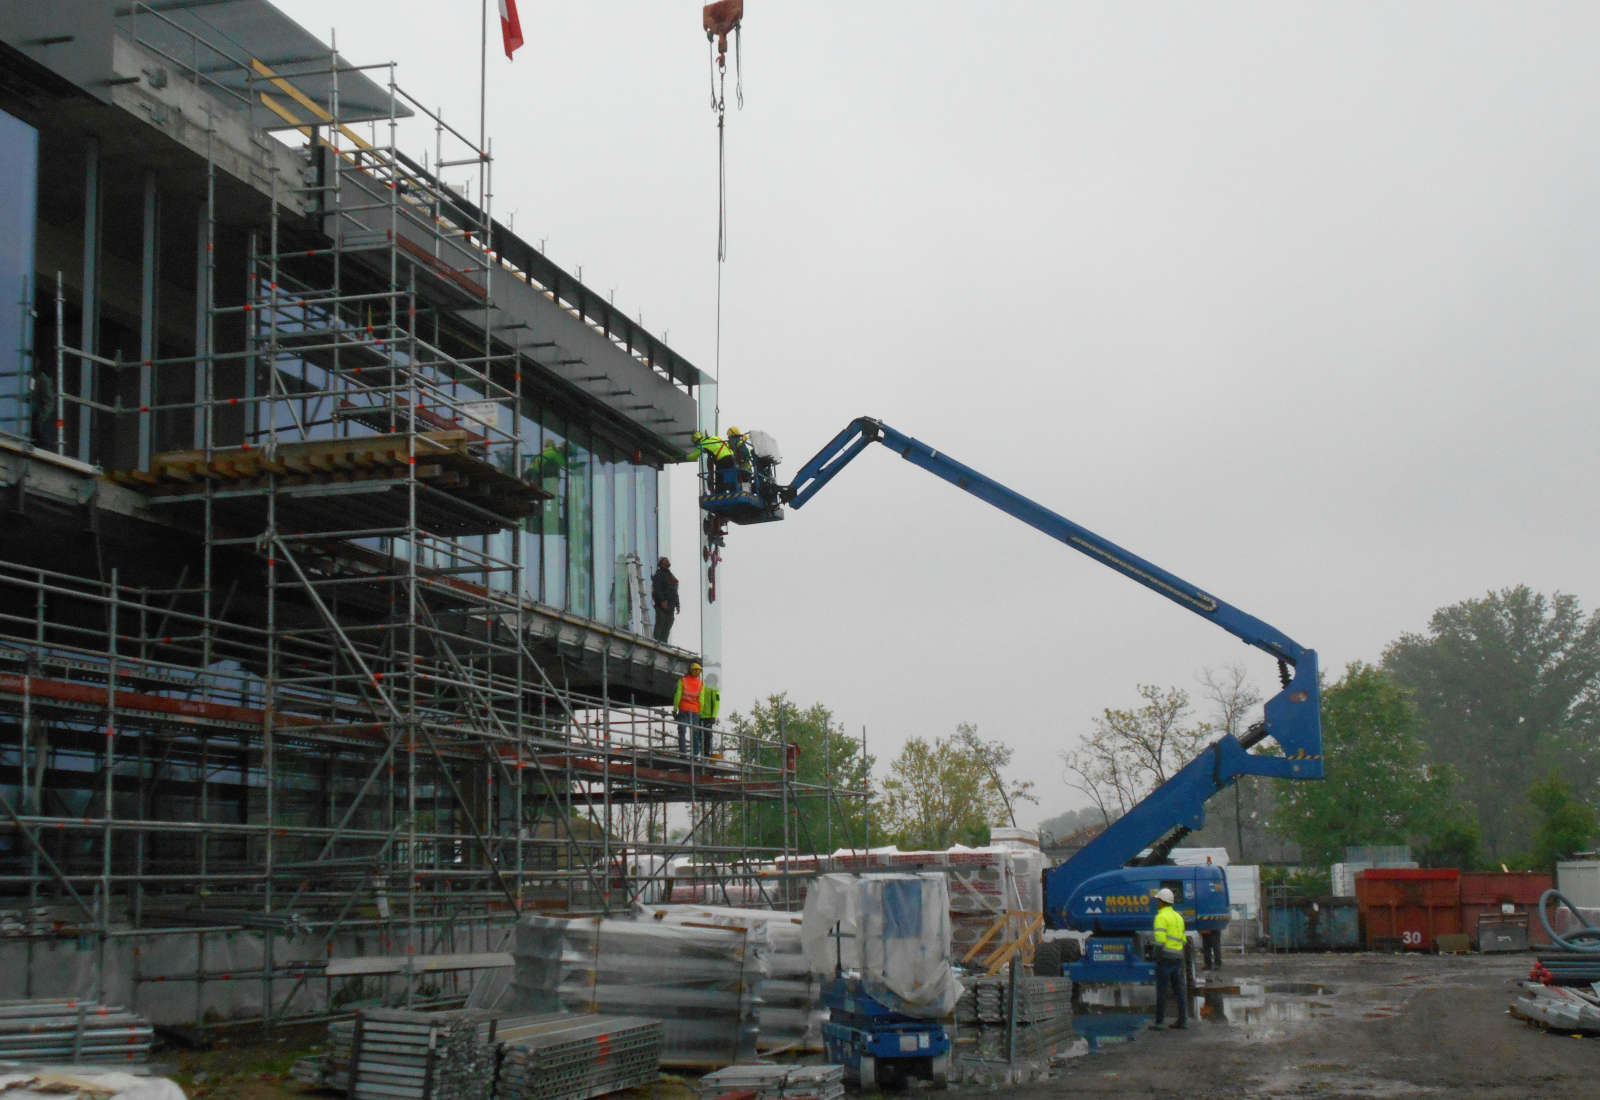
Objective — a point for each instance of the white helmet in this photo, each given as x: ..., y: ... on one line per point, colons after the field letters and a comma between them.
x: 1165, y: 895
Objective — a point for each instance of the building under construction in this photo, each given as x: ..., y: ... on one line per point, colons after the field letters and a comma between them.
x: 330, y: 507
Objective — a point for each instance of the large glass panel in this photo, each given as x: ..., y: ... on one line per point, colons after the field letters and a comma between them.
x: 625, y: 588
x: 580, y: 523
x: 550, y: 465
x: 648, y: 525
x: 605, y: 554
x: 19, y: 153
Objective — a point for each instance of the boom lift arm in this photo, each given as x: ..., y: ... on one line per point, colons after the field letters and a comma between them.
x: 1291, y: 718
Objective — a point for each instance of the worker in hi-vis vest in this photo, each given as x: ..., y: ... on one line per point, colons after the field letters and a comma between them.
x: 720, y: 455
x: 1170, y: 942
x: 686, y: 701
x: 710, y: 707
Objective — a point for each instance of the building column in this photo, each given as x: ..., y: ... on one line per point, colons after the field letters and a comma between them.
x: 148, y: 326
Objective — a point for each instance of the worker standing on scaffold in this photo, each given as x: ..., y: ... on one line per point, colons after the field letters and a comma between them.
x: 686, y: 701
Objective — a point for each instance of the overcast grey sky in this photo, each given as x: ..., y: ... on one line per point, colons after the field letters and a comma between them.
x: 1294, y: 299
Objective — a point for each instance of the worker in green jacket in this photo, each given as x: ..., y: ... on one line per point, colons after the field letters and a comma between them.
x: 719, y: 455
x: 1170, y: 942
x: 710, y: 707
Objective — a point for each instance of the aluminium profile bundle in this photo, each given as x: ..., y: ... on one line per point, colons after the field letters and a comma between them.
x: 1039, y: 999
x: 70, y: 1030
x: 402, y: 1055
x: 1560, y: 1008
x: 703, y: 984
x: 775, y: 1082
x: 573, y: 1056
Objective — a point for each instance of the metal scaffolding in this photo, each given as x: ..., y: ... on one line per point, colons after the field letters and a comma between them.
x: 332, y: 731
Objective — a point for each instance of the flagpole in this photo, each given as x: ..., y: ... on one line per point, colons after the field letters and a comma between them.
x: 483, y: 80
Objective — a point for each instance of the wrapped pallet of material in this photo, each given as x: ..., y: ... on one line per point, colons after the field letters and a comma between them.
x: 703, y: 984
x: 791, y: 996
x: 892, y: 930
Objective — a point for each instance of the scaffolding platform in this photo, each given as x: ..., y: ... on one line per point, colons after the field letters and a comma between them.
x: 344, y: 484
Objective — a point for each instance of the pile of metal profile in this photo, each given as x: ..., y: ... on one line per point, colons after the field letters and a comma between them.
x: 791, y: 996
x: 1559, y: 1008
x: 1567, y: 968
x: 70, y: 1030
x: 423, y: 1055
x: 32, y: 921
x: 775, y: 1082
x: 331, y: 1069
x: 989, y: 1001
x: 703, y: 984
x: 993, y: 1025
x: 573, y: 1056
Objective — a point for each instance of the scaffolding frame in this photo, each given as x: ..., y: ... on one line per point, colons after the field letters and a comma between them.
x: 335, y: 733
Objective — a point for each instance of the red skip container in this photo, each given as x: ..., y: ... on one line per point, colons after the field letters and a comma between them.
x: 1408, y: 909
x: 1484, y: 893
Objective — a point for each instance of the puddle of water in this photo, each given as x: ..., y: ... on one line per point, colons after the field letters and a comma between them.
x: 1110, y: 1015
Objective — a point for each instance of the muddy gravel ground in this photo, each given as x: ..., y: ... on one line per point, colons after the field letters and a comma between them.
x: 1359, y: 1025
x: 1354, y: 1025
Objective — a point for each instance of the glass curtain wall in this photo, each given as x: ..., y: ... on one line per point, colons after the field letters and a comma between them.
x: 19, y: 180
x: 591, y: 545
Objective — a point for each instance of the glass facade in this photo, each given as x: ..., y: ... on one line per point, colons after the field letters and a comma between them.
x: 584, y: 550
x: 19, y: 179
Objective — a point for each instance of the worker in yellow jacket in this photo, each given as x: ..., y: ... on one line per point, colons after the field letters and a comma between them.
x: 1170, y: 942
x: 724, y: 474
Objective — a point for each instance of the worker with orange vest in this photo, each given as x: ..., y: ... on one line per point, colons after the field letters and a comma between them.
x: 686, y: 701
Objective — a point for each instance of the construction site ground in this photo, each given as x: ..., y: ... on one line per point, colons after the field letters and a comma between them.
x: 1323, y: 1025
x: 1343, y: 1025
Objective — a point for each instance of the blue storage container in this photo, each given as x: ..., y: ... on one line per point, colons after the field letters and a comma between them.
x: 1314, y: 924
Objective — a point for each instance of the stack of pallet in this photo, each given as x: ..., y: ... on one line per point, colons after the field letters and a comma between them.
x: 423, y: 1055
x: 71, y: 1030
x: 703, y: 984
x: 775, y: 1083
x: 994, y: 1027
x: 567, y: 1056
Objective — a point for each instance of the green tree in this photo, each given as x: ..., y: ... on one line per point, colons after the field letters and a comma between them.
x: 1508, y: 690
x: 1128, y: 753
x: 1380, y: 788
x: 1566, y: 823
x: 829, y: 760
x: 950, y: 790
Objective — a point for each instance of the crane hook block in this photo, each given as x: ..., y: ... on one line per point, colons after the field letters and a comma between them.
x: 720, y: 19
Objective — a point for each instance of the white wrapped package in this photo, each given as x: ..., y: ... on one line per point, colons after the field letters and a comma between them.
x: 893, y: 930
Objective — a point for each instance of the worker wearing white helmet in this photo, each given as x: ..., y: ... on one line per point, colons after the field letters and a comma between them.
x: 1170, y: 942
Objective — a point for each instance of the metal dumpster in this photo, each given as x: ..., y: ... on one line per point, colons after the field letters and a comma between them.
x: 1315, y: 924
x: 1407, y: 909
x: 1491, y: 895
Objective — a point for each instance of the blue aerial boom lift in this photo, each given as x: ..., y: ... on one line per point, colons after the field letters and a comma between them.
x: 1105, y: 890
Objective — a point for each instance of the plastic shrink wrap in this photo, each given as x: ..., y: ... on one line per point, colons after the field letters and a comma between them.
x: 893, y: 930
x: 703, y: 984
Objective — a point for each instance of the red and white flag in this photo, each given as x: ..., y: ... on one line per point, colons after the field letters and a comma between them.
x: 510, y: 26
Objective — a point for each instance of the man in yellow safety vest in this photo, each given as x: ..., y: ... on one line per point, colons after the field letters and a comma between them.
x: 720, y: 456
x: 1170, y: 942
